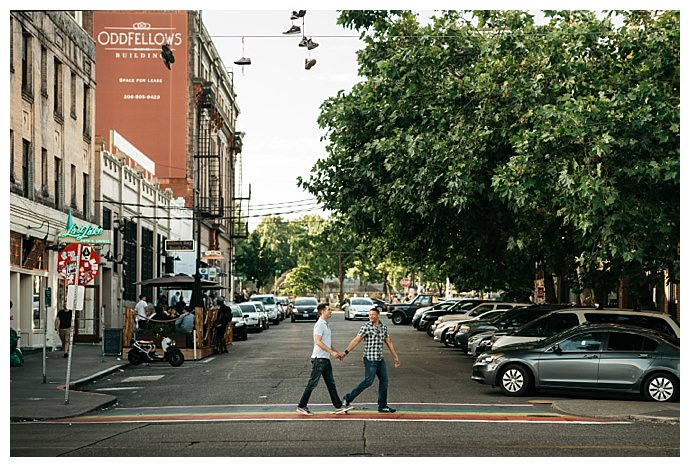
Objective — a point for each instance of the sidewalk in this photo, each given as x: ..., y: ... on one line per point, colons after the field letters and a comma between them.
x: 30, y: 399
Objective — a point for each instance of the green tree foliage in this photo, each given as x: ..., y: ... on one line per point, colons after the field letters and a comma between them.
x: 302, y: 281
x: 483, y: 144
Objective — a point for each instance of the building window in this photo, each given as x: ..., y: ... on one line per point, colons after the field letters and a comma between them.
x: 107, y: 221
x: 26, y: 162
x: 57, y: 89
x: 11, y: 44
x: 27, y: 72
x: 44, y: 71
x: 15, y: 249
x: 59, y: 184
x: 11, y: 156
x: 44, y: 171
x: 86, y: 188
x: 73, y: 186
x: 86, y: 111
x: 73, y: 95
x: 147, y: 261
x: 130, y: 256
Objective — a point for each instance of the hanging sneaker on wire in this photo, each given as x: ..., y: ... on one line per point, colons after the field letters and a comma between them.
x: 311, y: 44
x: 308, y: 63
x: 293, y: 30
x: 304, y: 42
x: 243, y: 61
x: 293, y: 15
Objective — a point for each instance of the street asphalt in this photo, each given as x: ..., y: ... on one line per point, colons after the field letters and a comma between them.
x: 33, y: 399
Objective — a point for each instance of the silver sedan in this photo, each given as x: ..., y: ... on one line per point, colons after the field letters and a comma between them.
x: 592, y: 357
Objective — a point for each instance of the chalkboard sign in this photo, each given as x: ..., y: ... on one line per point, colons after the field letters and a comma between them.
x: 112, y: 342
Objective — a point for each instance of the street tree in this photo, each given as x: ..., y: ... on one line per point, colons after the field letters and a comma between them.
x: 490, y: 147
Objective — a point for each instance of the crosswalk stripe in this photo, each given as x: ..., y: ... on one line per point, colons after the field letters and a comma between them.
x: 411, y: 412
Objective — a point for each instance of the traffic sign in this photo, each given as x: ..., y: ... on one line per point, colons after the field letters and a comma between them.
x: 405, y: 282
x: 80, y: 262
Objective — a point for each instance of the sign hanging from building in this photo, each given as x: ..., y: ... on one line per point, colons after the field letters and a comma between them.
x: 92, y: 234
x: 179, y: 245
x: 212, y: 254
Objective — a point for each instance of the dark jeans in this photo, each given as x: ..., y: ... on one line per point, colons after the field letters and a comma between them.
x: 321, y: 367
x: 372, y: 368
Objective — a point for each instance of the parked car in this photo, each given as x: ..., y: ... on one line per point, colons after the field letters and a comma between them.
x: 255, y: 318
x: 269, y: 302
x: 357, y: 308
x: 380, y: 304
x: 402, y: 313
x: 462, y: 307
x: 592, y: 357
x: 262, y: 309
x: 239, y: 324
x: 305, y: 309
x: 448, y: 338
x: 512, y: 319
x: 441, y: 305
x: 557, y: 321
x: 472, y: 313
x: 285, y: 306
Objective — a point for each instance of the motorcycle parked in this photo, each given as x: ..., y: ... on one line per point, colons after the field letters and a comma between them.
x: 145, y: 352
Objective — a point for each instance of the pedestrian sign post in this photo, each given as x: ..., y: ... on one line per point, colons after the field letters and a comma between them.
x: 79, y: 264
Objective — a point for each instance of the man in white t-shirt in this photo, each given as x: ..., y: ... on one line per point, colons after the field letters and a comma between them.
x: 140, y: 309
x: 321, y: 364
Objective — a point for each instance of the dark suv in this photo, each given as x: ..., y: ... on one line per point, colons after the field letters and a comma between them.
x: 512, y: 319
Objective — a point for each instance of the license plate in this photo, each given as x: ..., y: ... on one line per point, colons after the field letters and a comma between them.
x: 306, y: 315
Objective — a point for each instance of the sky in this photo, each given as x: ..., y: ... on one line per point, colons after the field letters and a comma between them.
x: 279, y: 99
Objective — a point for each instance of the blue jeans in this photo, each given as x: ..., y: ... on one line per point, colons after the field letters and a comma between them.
x: 372, y: 368
x: 321, y: 367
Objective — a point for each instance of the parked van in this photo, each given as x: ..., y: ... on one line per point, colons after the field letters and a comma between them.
x: 557, y: 321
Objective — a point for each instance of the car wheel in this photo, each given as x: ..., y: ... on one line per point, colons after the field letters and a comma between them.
x: 515, y: 380
x: 445, y: 338
x: 661, y: 387
x: 398, y: 318
x: 429, y: 331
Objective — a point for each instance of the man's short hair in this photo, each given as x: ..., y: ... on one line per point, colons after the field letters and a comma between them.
x: 321, y: 307
x: 376, y: 310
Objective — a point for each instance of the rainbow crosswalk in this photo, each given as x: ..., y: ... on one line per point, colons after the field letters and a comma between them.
x: 429, y: 412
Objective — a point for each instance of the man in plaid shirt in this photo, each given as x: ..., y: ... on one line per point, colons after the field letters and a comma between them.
x: 374, y: 334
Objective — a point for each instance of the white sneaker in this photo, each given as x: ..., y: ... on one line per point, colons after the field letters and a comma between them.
x: 344, y: 409
x: 304, y: 411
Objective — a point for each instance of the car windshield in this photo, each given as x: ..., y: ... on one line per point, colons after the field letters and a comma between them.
x: 361, y: 301
x: 236, y: 313
x: 248, y: 308
x: 264, y: 300
x: 306, y: 301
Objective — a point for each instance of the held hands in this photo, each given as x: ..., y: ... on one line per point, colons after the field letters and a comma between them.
x: 396, y: 363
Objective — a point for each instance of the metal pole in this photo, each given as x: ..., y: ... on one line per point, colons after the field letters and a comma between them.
x: 102, y: 332
x: 42, y: 300
x: 71, y: 328
x: 196, y: 300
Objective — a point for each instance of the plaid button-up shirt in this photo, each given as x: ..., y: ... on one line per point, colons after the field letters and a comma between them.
x: 373, y: 340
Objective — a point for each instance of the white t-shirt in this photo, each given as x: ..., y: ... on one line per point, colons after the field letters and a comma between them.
x: 321, y: 329
x: 140, y: 308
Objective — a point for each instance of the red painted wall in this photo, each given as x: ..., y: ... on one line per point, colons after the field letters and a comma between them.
x: 136, y: 95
